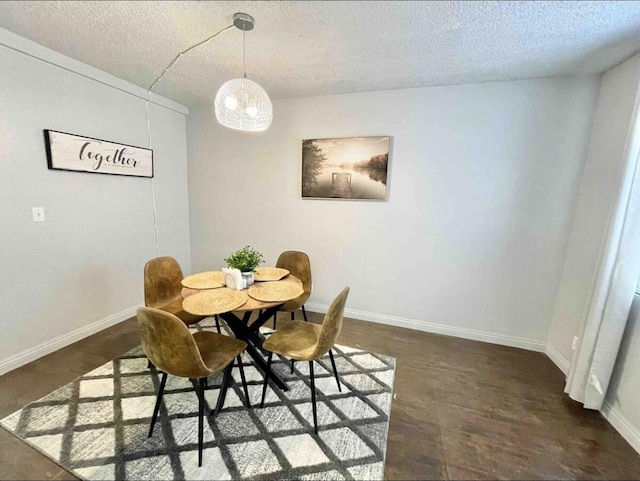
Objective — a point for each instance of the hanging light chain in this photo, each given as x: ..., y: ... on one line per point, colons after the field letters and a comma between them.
x: 185, y: 51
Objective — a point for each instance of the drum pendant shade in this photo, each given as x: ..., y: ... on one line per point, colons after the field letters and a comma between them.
x: 241, y: 104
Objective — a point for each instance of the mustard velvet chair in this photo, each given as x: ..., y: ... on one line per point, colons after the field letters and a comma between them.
x: 298, y: 264
x: 306, y: 341
x: 170, y: 346
x: 163, y: 289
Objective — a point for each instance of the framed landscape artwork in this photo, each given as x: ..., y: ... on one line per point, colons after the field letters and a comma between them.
x: 345, y: 168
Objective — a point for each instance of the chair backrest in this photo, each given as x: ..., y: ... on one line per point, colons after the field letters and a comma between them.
x: 162, y: 277
x: 298, y: 264
x: 332, y: 324
x: 169, y: 345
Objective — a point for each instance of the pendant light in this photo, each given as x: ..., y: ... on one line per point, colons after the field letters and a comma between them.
x: 241, y: 104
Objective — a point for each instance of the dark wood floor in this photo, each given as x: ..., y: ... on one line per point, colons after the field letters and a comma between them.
x: 462, y: 409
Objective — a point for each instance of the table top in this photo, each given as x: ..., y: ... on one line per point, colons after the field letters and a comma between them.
x: 205, y: 302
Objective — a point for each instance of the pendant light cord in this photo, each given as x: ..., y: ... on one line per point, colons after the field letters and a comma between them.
x: 244, y: 51
x: 186, y: 51
x: 147, y: 101
x: 153, y: 186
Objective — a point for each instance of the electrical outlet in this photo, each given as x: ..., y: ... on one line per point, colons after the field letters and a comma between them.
x: 38, y: 214
x: 574, y: 344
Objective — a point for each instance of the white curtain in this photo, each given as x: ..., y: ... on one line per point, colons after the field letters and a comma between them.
x: 614, y: 288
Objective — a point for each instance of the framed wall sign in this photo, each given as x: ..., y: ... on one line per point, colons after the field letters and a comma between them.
x: 86, y: 154
x: 345, y: 168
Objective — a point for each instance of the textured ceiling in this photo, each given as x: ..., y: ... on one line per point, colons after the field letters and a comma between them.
x: 315, y: 48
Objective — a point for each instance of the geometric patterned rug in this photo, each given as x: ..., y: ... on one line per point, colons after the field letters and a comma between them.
x: 96, y: 426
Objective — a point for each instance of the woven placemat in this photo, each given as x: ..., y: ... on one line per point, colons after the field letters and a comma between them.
x: 214, y: 301
x: 263, y: 274
x: 204, y: 280
x: 277, y: 291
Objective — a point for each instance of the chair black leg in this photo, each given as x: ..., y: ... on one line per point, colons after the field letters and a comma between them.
x: 217, y: 324
x: 223, y: 388
x: 335, y: 371
x: 292, y: 362
x: 275, y: 318
x: 304, y: 314
x: 149, y: 364
x: 201, y: 385
x: 293, y: 317
x: 244, y: 381
x: 313, y: 397
x: 266, y: 379
x: 158, y: 401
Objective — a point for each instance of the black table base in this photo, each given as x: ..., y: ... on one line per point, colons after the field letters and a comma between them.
x: 250, y: 334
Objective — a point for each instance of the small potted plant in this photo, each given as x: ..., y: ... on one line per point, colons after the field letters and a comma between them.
x: 245, y: 260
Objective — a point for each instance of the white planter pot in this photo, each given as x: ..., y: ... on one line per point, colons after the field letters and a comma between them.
x: 248, y: 278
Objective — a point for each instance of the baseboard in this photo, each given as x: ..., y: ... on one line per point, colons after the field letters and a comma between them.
x: 473, y: 334
x: 36, y: 352
x: 558, y: 359
x: 628, y: 431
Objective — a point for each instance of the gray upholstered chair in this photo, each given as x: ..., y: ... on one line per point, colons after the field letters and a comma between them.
x: 170, y: 346
x: 306, y: 341
x: 298, y: 264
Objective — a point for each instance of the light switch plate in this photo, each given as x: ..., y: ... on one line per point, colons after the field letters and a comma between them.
x: 38, y: 214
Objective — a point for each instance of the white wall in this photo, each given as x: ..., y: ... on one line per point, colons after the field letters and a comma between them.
x: 471, y: 241
x: 611, y: 125
x: 622, y: 405
x: 593, y: 208
x: 81, y: 269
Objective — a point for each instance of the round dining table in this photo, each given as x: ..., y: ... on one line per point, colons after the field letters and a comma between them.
x: 205, y: 294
